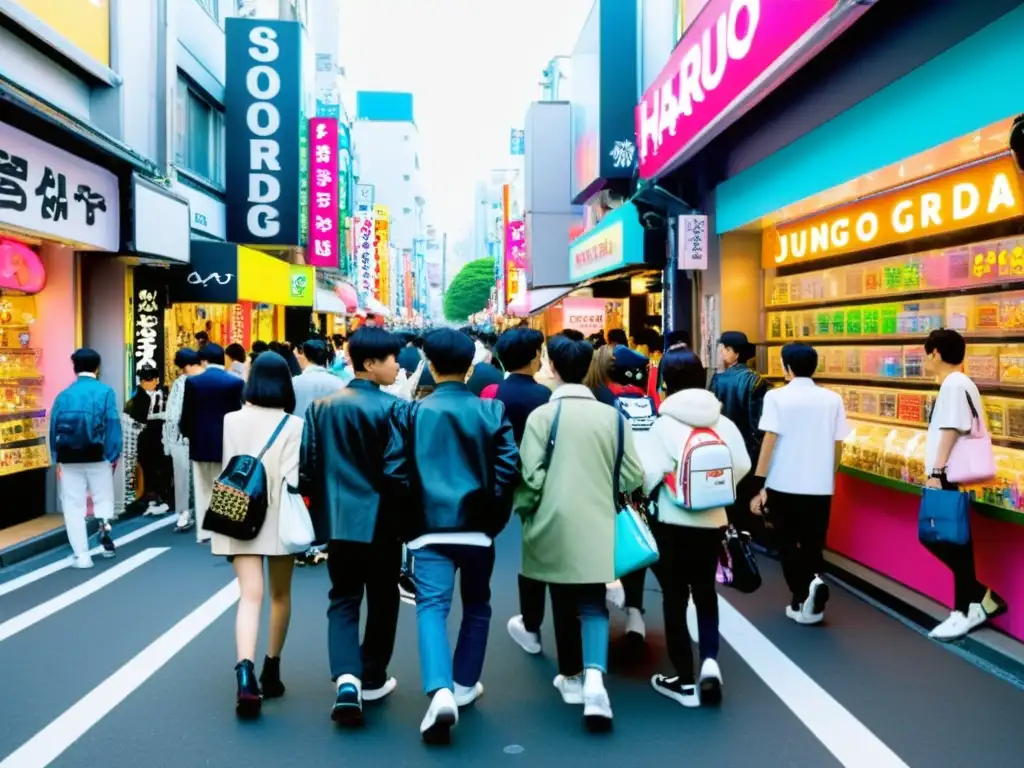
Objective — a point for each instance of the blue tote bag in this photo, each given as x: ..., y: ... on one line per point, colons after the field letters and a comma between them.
x: 945, y: 517
x: 635, y: 547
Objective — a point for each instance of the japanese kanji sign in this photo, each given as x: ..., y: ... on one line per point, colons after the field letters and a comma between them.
x: 323, y: 193
x: 58, y: 195
x: 382, y: 238
x: 365, y: 257
x: 149, y: 298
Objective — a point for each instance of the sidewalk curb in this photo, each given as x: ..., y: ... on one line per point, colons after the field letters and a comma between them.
x: 55, y: 539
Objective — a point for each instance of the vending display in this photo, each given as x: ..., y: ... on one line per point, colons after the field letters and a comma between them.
x: 23, y: 422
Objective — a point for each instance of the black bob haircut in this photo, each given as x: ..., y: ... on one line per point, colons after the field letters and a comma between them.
x: 236, y: 352
x: 315, y: 351
x: 570, y: 358
x: 618, y: 336
x: 948, y: 343
x: 212, y: 353
x: 270, y: 384
x: 371, y: 344
x: 451, y: 352
x: 185, y: 356
x: 517, y: 347
x: 85, y: 360
x: 800, y: 359
x: 681, y: 369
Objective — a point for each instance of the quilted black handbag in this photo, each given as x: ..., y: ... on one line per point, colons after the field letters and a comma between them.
x: 238, y: 506
x: 738, y: 566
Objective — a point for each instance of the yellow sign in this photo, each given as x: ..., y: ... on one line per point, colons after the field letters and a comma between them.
x: 968, y: 197
x: 382, y: 235
x: 263, y: 279
x: 84, y: 23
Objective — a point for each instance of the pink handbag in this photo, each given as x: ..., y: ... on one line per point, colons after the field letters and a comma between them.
x: 972, y: 459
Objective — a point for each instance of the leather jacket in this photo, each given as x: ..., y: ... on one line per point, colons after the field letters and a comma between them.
x: 741, y: 391
x: 454, y: 459
x: 341, y: 467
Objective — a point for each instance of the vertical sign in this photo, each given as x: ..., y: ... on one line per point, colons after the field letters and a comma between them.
x: 517, y: 142
x: 323, y: 193
x: 382, y: 236
x: 150, y: 294
x: 263, y: 108
x: 365, y: 253
x: 693, y: 242
x: 515, y: 259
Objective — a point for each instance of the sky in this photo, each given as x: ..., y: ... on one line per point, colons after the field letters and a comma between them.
x: 473, y: 67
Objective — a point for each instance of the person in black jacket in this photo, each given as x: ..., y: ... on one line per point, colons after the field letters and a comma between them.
x: 741, y: 391
x: 519, y: 350
x: 454, y: 458
x: 341, y: 470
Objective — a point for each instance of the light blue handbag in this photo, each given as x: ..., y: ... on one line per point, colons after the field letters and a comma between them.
x: 635, y: 547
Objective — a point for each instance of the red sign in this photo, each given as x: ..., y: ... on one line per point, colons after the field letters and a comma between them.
x: 721, y: 61
x: 20, y: 268
x: 909, y: 408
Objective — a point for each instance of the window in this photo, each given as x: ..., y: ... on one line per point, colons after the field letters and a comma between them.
x: 198, y: 134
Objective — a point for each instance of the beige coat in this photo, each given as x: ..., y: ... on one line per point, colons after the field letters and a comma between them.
x: 570, y: 538
x: 246, y: 432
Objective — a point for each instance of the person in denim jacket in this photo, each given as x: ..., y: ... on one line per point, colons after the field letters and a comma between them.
x: 85, y: 439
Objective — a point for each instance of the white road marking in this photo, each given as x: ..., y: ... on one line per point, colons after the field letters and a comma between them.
x: 44, y: 610
x: 53, y: 740
x: 846, y: 737
x: 41, y: 573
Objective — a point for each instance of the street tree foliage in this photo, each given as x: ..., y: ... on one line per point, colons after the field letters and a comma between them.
x: 470, y: 291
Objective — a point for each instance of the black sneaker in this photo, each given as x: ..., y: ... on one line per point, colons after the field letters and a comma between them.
x: 248, y: 700
x: 270, y: 678
x: 348, y: 706
x: 407, y: 588
x: 109, y: 550
x: 671, y: 687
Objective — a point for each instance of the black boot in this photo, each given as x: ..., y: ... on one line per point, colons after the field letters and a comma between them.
x: 270, y: 678
x: 248, y: 701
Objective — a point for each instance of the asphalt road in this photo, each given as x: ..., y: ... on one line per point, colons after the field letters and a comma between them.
x: 130, y: 664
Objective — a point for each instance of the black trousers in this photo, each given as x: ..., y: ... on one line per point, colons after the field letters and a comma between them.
x: 801, y: 524
x: 355, y: 567
x: 959, y: 558
x: 687, y: 567
x: 633, y: 586
x: 565, y: 616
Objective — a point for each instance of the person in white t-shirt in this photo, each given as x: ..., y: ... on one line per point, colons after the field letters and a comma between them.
x: 952, y: 415
x: 804, y: 427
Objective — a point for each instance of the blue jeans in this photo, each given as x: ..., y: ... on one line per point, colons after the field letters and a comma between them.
x: 434, y: 573
x: 580, y: 610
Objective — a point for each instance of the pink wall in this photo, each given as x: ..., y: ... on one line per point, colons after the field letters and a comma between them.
x: 54, y: 331
x: 877, y: 527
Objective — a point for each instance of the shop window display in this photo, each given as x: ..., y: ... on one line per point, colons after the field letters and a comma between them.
x: 23, y: 422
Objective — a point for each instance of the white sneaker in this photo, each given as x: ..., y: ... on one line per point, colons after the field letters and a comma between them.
x: 528, y: 641
x: 571, y: 688
x: 635, y: 623
x: 376, y: 694
x: 467, y: 694
x: 156, y: 509
x: 597, y: 706
x: 442, y: 715
x: 82, y: 562
x: 817, y: 597
x: 710, y: 683
x: 615, y: 595
x: 801, y: 616
x: 184, y: 521
x: 955, y: 626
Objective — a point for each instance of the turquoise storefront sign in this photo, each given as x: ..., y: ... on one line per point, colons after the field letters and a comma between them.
x: 616, y: 242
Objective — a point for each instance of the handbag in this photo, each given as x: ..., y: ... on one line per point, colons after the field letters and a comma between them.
x: 238, y: 504
x: 944, y: 517
x: 972, y: 459
x: 737, y: 567
x: 294, y: 525
x: 635, y: 547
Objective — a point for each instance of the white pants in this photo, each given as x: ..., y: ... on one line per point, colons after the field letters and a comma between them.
x: 203, y: 475
x: 182, y: 468
x: 77, y: 483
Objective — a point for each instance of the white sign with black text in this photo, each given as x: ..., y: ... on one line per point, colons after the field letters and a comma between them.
x: 692, y: 250
x: 208, y: 213
x: 55, y: 194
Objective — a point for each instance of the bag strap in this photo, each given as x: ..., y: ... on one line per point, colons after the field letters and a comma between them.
x: 273, y: 437
x: 552, y: 434
x: 616, y: 472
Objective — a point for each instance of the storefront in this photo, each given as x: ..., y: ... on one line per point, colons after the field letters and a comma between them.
x: 859, y: 219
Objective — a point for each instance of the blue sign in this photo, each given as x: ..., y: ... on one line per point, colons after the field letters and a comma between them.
x: 616, y: 242
x: 323, y: 109
x: 517, y: 143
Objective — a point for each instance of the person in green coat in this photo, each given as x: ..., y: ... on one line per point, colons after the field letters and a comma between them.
x: 568, y: 504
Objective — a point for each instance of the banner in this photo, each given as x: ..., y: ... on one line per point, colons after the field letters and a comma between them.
x: 365, y: 257
x: 149, y: 297
x: 323, y: 193
x: 515, y: 259
x: 382, y: 237
x: 584, y: 315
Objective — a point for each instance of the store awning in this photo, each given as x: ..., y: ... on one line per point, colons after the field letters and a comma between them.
x: 225, y: 273
x: 326, y: 300
x: 616, y: 242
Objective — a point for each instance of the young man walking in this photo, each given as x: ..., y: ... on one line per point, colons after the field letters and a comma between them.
x: 454, y: 458
x: 804, y: 427
x: 176, y: 446
x: 85, y: 437
x: 342, y: 472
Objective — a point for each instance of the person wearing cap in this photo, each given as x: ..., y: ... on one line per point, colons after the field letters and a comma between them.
x: 741, y: 391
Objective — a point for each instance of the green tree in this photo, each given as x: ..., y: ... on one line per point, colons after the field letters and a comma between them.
x: 470, y: 291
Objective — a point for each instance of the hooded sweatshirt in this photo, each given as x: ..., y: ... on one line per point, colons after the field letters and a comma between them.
x: 679, y: 415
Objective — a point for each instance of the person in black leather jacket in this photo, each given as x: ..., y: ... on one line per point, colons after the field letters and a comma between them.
x: 341, y: 470
x: 741, y: 391
x: 454, y: 457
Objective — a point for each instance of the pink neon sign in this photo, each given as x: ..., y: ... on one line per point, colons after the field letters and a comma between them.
x: 323, y: 192
x: 730, y: 45
x: 20, y: 268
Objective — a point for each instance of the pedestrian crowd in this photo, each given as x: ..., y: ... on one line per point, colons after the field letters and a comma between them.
x: 399, y: 459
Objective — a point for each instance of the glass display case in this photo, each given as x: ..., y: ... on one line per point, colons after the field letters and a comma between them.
x: 23, y: 422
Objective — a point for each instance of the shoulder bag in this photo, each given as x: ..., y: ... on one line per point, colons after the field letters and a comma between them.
x: 972, y: 459
x: 635, y: 547
x: 295, y: 528
x: 238, y: 505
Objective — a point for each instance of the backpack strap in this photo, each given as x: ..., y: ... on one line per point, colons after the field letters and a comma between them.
x: 549, y: 451
x: 273, y: 437
x: 617, y: 471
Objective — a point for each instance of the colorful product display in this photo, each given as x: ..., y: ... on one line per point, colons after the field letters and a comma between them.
x: 23, y: 422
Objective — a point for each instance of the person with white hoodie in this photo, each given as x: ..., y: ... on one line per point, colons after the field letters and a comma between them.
x: 689, y: 541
